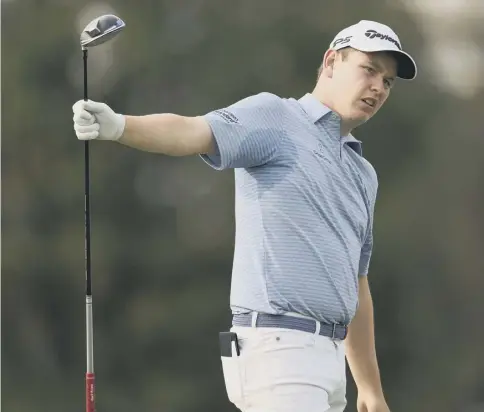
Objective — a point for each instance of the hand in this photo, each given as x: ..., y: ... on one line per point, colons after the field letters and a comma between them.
x: 371, y: 403
x: 93, y: 120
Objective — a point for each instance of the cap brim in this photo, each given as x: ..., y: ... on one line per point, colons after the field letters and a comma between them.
x: 406, y: 66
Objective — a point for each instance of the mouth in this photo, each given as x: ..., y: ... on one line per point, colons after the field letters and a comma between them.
x: 370, y: 102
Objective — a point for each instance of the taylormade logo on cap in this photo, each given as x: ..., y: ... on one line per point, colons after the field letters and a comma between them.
x: 371, y: 34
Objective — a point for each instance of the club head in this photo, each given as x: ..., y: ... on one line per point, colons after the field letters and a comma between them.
x: 100, y: 30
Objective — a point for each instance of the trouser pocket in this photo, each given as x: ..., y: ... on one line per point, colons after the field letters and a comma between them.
x: 231, y: 367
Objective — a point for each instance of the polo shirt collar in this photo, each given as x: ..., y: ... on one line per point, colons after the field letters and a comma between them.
x: 355, y: 144
x: 314, y: 108
x: 317, y: 110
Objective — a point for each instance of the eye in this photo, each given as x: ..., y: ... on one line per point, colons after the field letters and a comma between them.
x: 369, y: 69
x: 388, y: 83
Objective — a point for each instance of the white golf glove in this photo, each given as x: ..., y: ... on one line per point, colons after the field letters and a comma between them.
x: 93, y: 120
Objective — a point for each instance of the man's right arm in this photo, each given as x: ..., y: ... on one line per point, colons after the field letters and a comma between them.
x: 168, y: 134
x: 245, y: 134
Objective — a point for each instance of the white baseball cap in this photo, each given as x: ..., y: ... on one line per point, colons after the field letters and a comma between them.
x: 370, y: 36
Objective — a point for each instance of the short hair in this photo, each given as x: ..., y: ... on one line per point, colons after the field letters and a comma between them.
x: 344, y: 53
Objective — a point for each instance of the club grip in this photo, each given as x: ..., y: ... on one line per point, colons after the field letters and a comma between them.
x: 90, y: 393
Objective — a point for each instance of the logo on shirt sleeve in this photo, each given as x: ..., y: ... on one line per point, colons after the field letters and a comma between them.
x: 227, y: 116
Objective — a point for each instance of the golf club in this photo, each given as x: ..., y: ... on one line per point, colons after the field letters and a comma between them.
x: 97, y: 32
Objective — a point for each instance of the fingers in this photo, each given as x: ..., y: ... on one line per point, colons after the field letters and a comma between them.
x: 87, y: 132
x: 89, y: 105
x: 93, y: 120
x: 83, y: 118
x: 94, y: 107
x: 86, y: 128
x: 84, y: 122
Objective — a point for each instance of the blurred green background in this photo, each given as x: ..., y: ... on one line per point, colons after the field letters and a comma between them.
x: 162, y: 228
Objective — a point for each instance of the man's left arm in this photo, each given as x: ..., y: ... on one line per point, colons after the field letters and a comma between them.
x: 361, y: 353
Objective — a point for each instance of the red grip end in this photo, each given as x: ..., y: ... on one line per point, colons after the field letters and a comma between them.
x: 90, y: 406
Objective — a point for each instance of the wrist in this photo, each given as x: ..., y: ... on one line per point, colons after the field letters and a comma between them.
x: 375, y: 392
x: 121, y: 125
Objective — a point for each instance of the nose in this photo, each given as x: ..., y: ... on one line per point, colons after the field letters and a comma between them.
x: 380, y: 83
x: 377, y: 86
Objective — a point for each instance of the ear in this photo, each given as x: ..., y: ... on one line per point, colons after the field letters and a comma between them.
x: 328, y: 62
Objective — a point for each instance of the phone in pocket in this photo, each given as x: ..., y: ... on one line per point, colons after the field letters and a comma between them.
x: 231, y: 366
x: 229, y: 344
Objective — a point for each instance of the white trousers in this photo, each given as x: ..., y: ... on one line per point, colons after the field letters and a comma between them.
x: 282, y: 370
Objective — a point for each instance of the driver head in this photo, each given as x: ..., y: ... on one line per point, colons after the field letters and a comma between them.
x: 100, y: 30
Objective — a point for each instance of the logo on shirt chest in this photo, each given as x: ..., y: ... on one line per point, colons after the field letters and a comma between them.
x: 320, y: 151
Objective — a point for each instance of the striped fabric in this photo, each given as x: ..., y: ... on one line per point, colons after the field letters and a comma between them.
x: 304, y: 207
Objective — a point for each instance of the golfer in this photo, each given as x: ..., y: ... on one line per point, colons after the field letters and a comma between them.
x: 305, y: 197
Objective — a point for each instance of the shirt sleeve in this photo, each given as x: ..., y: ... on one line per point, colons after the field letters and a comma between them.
x: 247, y: 133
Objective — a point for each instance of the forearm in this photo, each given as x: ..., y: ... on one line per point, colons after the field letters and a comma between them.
x: 168, y: 134
x: 360, y: 344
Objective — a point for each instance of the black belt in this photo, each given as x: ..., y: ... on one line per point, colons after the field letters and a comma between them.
x: 265, y: 320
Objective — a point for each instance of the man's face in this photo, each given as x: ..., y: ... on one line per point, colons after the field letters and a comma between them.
x: 362, y: 83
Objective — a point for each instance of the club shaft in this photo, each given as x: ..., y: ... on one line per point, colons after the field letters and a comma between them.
x: 90, y: 384
x: 87, y: 206
x: 87, y: 218
x: 84, y: 58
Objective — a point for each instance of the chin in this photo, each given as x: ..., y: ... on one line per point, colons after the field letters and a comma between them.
x: 358, y: 118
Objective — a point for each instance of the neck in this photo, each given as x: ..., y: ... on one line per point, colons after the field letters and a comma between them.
x: 324, y: 97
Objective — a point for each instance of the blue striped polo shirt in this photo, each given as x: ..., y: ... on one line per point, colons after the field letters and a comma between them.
x: 304, y: 202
